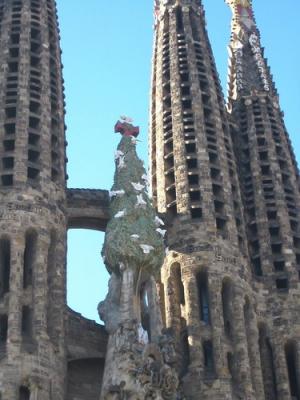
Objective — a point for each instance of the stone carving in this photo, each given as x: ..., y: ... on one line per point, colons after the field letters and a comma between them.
x: 133, y: 253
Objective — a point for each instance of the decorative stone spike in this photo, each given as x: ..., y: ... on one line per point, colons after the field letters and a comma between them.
x: 135, y: 367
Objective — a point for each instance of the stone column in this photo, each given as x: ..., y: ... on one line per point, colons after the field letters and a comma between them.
x: 240, y: 345
x: 254, y: 354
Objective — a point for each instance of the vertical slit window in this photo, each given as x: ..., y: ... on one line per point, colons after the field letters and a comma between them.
x: 291, y: 360
x: 29, y: 258
x: 24, y: 393
x: 26, y: 322
x: 176, y: 268
x: 4, y: 266
x: 208, y: 356
x: 203, y: 296
x: 267, y: 364
x: 144, y: 307
x: 185, y: 353
x: 226, y: 304
x: 3, y: 330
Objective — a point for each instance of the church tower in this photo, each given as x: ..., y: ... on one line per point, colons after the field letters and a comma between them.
x: 206, y: 279
x: 270, y: 189
x: 32, y: 198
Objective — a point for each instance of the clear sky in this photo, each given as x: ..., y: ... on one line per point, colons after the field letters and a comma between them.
x: 107, y: 48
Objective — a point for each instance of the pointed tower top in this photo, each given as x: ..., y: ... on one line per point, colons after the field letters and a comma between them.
x: 248, y: 69
x: 243, y: 16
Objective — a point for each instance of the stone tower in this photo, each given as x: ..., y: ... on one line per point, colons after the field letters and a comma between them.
x: 206, y: 276
x: 32, y: 196
x: 270, y: 188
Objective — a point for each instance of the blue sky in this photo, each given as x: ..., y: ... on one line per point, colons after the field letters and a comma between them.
x: 107, y: 48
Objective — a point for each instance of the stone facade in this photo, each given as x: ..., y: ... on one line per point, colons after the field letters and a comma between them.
x: 44, y: 347
x: 227, y: 181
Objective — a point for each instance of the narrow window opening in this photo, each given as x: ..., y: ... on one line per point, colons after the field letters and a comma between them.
x: 276, y: 248
x: 176, y: 268
x: 13, y: 67
x: 282, y: 284
x: 10, y: 129
x: 185, y: 353
x: 3, y: 329
x: 267, y: 365
x: 33, y: 122
x: 11, y: 112
x: 192, y: 163
x: 7, y: 180
x: 9, y: 145
x: 196, y: 213
x: 230, y: 364
x: 144, y: 307
x: 8, y: 162
x: 33, y: 139
x: 203, y: 296
x: 24, y: 393
x: 29, y: 259
x: 257, y: 266
x: 190, y: 148
x: 179, y: 19
x: 279, y: 265
x: 208, y: 357
x: 195, y: 195
x: 26, y: 322
x: 226, y: 303
x: 290, y: 354
x: 221, y: 224
x: 32, y: 173
x: 193, y: 179
x: 4, y: 266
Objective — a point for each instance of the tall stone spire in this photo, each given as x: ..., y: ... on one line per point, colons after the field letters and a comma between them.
x: 248, y: 70
x: 194, y: 183
x: 33, y: 201
x: 270, y: 190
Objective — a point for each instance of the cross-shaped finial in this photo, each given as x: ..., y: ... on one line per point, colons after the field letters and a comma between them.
x: 126, y: 128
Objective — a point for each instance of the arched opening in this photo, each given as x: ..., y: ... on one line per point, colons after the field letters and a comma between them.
x: 26, y: 323
x: 248, y: 330
x: 227, y: 305
x: 179, y: 288
x: 144, y: 309
x: 267, y: 364
x: 51, y: 283
x: 185, y: 353
x: 24, y: 393
x: 29, y: 258
x: 291, y: 361
x: 87, y: 277
x: 208, y: 357
x: 203, y: 296
x: 85, y: 379
x: 4, y: 266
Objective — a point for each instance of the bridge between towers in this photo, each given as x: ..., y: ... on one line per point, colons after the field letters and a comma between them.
x: 87, y: 209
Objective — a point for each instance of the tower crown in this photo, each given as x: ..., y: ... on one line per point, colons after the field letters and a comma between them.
x: 248, y: 70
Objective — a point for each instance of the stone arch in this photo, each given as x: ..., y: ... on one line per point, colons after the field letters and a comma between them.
x: 85, y: 378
